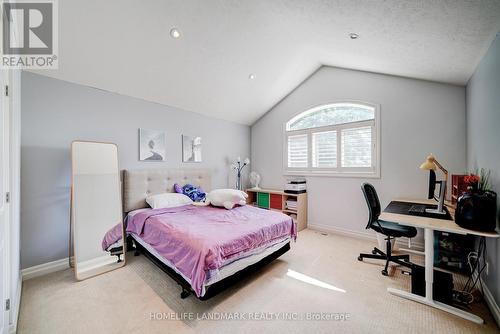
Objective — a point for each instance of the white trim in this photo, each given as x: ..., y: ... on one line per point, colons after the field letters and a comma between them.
x: 361, y: 235
x: 15, y: 187
x: 17, y: 307
x: 44, y: 269
x: 339, y: 171
x: 5, y: 206
x: 341, y: 231
x: 364, y: 175
x: 490, y: 301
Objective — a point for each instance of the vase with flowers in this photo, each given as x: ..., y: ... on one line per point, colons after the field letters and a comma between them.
x: 476, y: 208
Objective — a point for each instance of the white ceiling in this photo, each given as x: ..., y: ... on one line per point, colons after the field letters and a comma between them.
x: 124, y: 46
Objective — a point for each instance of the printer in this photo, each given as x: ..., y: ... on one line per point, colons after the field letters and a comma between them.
x: 295, y: 186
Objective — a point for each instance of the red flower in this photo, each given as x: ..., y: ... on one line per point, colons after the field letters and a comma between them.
x: 471, y: 179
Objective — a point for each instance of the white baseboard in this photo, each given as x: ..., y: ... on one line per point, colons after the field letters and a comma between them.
x: 17, y: 305
x: 44, y: 269
x: 490, y: 301
x: 341, y: 231
x: 401, y: 242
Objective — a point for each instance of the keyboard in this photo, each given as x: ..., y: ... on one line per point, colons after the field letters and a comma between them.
x: 417, y: 209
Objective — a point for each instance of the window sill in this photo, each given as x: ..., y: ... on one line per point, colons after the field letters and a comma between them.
x: 363, y: 175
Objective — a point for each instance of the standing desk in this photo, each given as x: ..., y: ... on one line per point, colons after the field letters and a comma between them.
x: 430, y: 225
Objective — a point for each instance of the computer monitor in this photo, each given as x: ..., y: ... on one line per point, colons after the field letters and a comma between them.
x: 432, y: 184
x: 442, y: 191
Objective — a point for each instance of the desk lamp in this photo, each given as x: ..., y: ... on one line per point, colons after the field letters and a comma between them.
x: 430, y: 164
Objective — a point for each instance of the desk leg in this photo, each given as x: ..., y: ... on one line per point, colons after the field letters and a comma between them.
x: 429, y: 263
x: 429, y: 278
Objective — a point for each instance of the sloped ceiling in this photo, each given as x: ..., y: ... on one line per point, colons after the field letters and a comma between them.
x: 124, y: 46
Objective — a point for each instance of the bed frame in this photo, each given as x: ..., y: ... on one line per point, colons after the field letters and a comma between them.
x: 137, y: 184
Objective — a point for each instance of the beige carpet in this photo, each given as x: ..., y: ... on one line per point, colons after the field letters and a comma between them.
x: 124, y: 300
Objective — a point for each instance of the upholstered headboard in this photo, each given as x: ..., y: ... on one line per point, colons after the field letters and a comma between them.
x: 138, y: 184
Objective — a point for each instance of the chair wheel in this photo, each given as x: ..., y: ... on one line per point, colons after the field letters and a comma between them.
x: 385, y: 273
x: 360, y: 258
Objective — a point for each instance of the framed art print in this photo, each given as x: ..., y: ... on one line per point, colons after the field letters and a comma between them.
x: 152, y: 145
x: 191, y: 149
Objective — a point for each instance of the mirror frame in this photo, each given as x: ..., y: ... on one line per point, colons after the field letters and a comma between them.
x: 72, y: 243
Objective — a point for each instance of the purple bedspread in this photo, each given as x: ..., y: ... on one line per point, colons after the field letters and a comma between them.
x: 197, y: 239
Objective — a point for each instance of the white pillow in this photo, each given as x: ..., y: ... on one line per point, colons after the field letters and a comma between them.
x: 227, y: 198
x: 167, y: 200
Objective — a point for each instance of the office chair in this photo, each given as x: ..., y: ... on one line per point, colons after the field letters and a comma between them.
x: 389, y: 229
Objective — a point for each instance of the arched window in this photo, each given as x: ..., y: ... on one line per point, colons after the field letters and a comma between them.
x: 337, y: 138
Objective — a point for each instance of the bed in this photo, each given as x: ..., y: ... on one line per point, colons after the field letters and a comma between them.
x: 204, y: 249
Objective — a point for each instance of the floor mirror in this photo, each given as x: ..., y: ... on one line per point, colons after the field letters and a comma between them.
x: 97, y: 231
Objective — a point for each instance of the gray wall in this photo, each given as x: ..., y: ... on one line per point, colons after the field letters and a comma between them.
x: 417, y: 118
x: 55, y: 112
x: 483, y: 139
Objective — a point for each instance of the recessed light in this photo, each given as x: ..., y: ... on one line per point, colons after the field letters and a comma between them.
x: 251, y: 76
x: 353, y: 35
x: 175, y: 33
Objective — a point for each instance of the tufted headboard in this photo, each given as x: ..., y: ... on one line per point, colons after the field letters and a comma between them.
x: 137, y: 184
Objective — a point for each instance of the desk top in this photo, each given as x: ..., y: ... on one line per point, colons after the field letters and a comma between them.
x: 432, y: 223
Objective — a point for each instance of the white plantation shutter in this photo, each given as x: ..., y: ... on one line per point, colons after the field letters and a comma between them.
x: 357, y: 147
x: 297, y: 151
x: 324, y: 145
x: 333, y: 139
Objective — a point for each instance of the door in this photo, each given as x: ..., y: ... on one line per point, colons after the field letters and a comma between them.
x: 4, y: 205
